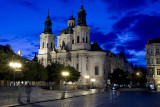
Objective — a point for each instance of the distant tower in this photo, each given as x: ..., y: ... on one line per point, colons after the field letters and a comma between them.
x: 47, y: 42
x: 20, y: 52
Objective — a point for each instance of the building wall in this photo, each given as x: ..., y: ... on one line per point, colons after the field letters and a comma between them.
x: 153, y: 63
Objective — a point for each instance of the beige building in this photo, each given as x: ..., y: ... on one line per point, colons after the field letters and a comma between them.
x: 74, y: 49
x: 153, y: 62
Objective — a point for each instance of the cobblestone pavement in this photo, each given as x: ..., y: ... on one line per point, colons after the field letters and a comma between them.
x: 9, y: 97
x: 127, y: 98
x: 94, y: 100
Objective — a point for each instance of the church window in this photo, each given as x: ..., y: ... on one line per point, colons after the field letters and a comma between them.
x: 73, y: 41
x: 86, y: 39
x: 43, y: 45
x: 69, y: 24
x: 72, y: 24
x: 77, y: 66
x: 96, y: 70
x: 77, y: 39
x: 51, y: 45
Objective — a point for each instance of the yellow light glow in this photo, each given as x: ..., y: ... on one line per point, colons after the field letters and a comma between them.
x: 93, y: 80
x: 15, y: 65
x: 65, y: 73
x: 137, y: 73
x: 86, y: 76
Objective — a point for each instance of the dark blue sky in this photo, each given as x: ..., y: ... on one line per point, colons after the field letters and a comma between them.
x: 117, y: 24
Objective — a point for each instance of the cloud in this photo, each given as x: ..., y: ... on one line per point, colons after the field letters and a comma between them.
x: 28, y: 4
x: 4, y: 40
x: 138, y: 57
x: 125, y: 5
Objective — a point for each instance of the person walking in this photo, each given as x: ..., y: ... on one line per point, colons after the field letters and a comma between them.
x: 19, y: 91
x: 28, y: 92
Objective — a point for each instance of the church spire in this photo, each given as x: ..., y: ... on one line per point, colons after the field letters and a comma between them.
x: 81, y: 5
x: 82, y: 16
x: 48, y: 14
x: 48, y: 25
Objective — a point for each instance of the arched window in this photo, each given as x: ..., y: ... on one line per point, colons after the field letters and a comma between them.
x: 72, y: 24
x: 43, y: 45
x: 83, y: 39
x: 73, y: 41
x: 86, y: 39
x: 77, y: 66
x: 69, y: 24
x: 47, y: 45
x: 77, y: 39
x: 96, y: 70
x: 51, y: 45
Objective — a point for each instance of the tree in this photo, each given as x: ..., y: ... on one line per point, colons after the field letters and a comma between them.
x: 55, y: 69
x: 120, y: 77
x: 34, y: 71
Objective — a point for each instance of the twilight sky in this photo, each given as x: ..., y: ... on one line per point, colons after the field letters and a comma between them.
x: 118, y: 24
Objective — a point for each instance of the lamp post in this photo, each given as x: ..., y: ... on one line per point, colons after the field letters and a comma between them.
x: 64, y: 74
x: 93, y: 80
x: 86, y: 77
x: 16, y: 66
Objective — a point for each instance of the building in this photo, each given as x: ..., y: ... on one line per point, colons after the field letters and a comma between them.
x: 153, y: 62
x: 118, y: 61
x: 74, y: 49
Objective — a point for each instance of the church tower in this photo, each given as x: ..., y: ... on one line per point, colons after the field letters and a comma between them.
x: 81, y: 32
x: 47, y: 42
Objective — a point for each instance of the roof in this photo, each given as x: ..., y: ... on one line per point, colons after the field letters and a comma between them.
x: 68, y: 30
x: 96, y: 47
x: 155, y: 40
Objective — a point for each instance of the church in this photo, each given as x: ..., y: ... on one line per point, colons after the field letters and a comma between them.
x: 75, y: 49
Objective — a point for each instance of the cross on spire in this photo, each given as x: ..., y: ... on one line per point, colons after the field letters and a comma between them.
x: 48, y: 13
x: 81, y: 5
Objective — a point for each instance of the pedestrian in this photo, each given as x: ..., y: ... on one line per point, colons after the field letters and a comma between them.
x: 28, y: 92
x: 19, y: 91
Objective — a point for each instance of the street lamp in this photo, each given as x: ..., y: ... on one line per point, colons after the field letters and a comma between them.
x: 93, y: 80
x: 138, y: 74
x: 16, y: 67
x: 65, y: 74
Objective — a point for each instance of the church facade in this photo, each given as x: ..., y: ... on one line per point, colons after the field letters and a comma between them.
x: 74, y: 49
